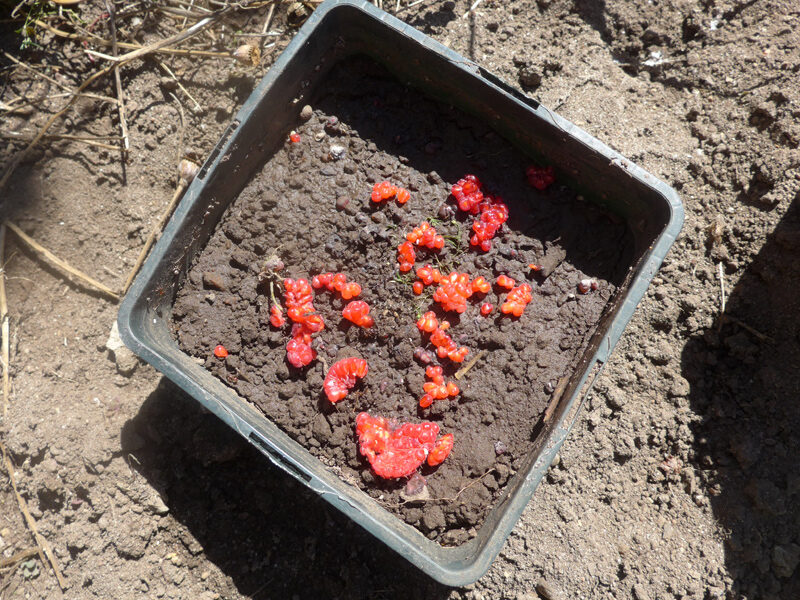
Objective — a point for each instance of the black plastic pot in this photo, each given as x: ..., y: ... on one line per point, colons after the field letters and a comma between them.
x: 338, y: 29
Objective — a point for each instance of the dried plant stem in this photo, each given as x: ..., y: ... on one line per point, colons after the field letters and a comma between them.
x: 17, y: 557
x: 64, y: 266
x: 463, y: 370
x: 123, y: 123
x: 94, y: 39
x: 13, y: 135
x: 153, y: 235
x: 141, y: 52
x: 44, y: 547
x: 268, y: 21
x: 54, y: 81
x: 4, y: 321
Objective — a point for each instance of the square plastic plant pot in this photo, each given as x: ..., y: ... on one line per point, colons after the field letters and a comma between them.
x: 335, y: 31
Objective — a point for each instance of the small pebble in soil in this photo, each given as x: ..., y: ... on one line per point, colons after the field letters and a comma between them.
x: 337, y: 152
x: 306, y: 113
x: 500, y: 448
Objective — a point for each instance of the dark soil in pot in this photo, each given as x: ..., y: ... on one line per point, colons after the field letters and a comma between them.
x: 311, y: 208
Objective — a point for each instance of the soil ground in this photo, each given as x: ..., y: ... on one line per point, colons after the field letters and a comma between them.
x: 679, y: 479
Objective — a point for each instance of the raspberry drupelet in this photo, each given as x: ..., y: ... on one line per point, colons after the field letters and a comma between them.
x: 357, y: 312
x: 406, y: 256
x: 517, y: 300
x: 342, y: 377
x: 425, y: 235
x: 436, y: 388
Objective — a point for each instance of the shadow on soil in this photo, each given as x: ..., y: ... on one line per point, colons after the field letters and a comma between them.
x: 270, y: 535
x: 746, y: 387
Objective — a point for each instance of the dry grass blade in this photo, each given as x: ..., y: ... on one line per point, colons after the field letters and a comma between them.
x: 4, y: 321
x: 64, y: 266
x: 13, y: 135
x: 123, y: 122
x: 141, y: 52
x: 463, y: 370
x: 44, y: 546
x: 17, y: 557
x: 153, y: 235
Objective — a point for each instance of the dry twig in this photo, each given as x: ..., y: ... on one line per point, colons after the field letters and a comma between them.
x: 463, y: 370
x: 141, y: 52
x: 123, y: 123
x: 44, y: 547
x: 154, y: 234
x: 49, y: 256
x: 4, y: 320
x: 17, y: 557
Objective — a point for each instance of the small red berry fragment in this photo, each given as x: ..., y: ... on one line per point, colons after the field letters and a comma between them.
x: 336, y: 282
x: 425, y: 235
x: 494, y: 213
x: 406, y: 256
x: 534, y: 267
x: 481, y: 286
x: 428, y: 322
x: 276, y: 318
x: 299, y: 351
x: 445, y: 346
x: 540, y: 177
x: 385, y: 190
x: 294, y: 137
x: 342, y: 377
x: 396, y: 452
x: 517, y: 300
x: 441, y: 450
x: 504, y: 281
x: 587, y: 285
x: 220, y: 351
x: 436, y: 388
x: 486, y: 309
x: 453, y: 292
x: 357, y: 312
x: 468, y: 194
x: 417, y: 287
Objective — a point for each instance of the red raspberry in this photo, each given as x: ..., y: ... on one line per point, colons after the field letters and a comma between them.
x: 417, y: 287
x: 517, y: 300
x: 441, y: 450
x: 486, y: 309
x: 504, y: 281
x: 540, y: 177
x: 406, y: 256
x: 276, y: 318
x: 342, y: 377
x: 357, y: 311
x: 428, y: 322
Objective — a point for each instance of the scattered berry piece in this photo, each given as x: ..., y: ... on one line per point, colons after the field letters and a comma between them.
x: 441, y: 450
x: 403, y: 195
x: 417, y: 287
x: 517, y: 300
x: 220, y: 351
x: 428, y: 322
x: 480, y: 285
x: 385, y: 190
x: 504, y: 281
x: 276, y: 318
x: 486, y: 309
x: 294, y: 137
x: 436, y: 388
x: 342, y: 377
x: 453, y: 292
x: 540, y: 177
x: 587, y: 285
x: 425, y: 274
x: 396, y: 452
x: 425, y: 235
x: 468, y: 194
x: 336, y: 282
x: 534, y: 267
x: 406, y: 256
x: 357, y: 312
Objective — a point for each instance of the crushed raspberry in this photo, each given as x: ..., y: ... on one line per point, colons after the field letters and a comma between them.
x: 406, y: 256
x: 534, y: 267
x: 481, y: 286
x: 445, y: 346
x: 298, y: 350
x: 276, y: 318
x: 428, y: 322
x: 220, y: 351
x: 494, y: 213
x: 517, y: 300
x: 357, y: 311
x: 425, y: 274
x: 417, y: 287
x: 441, y: 450
x: 299, y: 306
x: 336, y: 282
x: 385, y: 190
x: 453, y: 292
x: 425, y: 235
x: 436, y: 388
x: 486, y: 309
x: 587, y: 285
x: 396, y: 452
x: 294, y: 137
x: 504, y: 281
x: 540, y: 177
x: 468, y: 194
x: 342, y: 377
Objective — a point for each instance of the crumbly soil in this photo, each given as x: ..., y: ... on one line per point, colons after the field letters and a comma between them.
x: 679, y: 479
x: 392, y: 132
